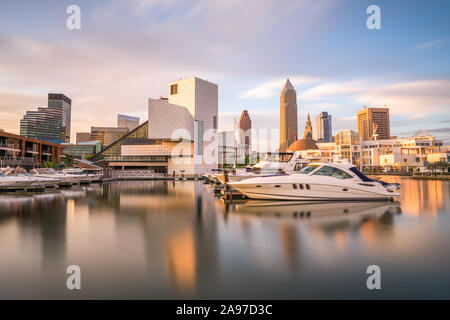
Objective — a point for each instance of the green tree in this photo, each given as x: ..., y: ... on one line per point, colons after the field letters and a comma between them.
x: 68, y: 160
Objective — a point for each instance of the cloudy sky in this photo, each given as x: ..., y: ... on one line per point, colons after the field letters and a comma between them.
x: 128, y: 50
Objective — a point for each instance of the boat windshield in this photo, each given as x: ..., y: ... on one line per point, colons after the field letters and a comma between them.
x: 333, y: 172
x: 361, y: 175
x: 308, y: 169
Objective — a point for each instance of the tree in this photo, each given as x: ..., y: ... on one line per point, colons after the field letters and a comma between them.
x: 68, y: 160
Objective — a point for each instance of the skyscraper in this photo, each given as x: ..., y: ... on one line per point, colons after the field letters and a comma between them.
x: 44, y: 124
x: 322, y: 128
x: 245, y: 126
x: 373, y: 123
x: 62, y: 102
x: 288, y: 116
x: 129, y: 122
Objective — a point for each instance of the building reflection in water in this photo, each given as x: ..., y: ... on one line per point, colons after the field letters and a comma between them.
x: 164, y: 239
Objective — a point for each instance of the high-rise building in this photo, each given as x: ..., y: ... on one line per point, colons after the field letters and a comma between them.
x: 373, y: 123
x: 129, y: 122
x: 44, y: 124
x: 288, y: 116
x: 245, y: 126
x: 107, y: 135
x: 322, y: 131
x: 83, y: 137
x: 60, y: 101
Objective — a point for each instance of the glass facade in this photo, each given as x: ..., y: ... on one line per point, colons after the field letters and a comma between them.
x: 50, y: 124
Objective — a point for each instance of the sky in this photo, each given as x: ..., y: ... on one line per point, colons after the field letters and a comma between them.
x: 128, y: 50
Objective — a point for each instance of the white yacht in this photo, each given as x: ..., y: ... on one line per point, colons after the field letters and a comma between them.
x: 13, y: 181
x: 36, y: 181
x: 272, y: 163
x: 87, y: 177
x: 317, y: 182
x: 66, y: 179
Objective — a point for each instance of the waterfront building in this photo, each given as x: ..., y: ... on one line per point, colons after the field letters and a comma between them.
x: 83, y: 150
x: 136, y: 151
x: 245, y: 135
x: 288, y: 116
x: 200, y: 98
x: 62, y: 102
x: 373, y: 123
x: 18, y: 150
x: 129, y: 122
x: 322, y: 130
x: 396, y: 154
x: 348, y: 146
x: 107, y: 135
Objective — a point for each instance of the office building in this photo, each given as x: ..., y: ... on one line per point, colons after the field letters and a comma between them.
x: 50, y: 124
x: 83, y: 137
x: 62, y: 102
x: 288, y: 116
x: 129, y: 122
x: 107, y: 135
x: 245, y: 135
x: 322, y: 130
x: 373, y: 123
x: 44, y: 124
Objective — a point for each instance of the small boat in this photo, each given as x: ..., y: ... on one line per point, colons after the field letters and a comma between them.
x: 86, y: 177
x: 318, y: 182
x: 66, y: 179
x: 37, y: 182
x: 13, y: 181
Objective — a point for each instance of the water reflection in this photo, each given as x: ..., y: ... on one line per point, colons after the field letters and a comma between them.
x: 161, y: 239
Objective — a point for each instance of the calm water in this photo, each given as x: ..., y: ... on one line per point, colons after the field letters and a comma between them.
x: 162, y: 240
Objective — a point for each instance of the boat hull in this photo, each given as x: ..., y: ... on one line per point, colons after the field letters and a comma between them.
x: 314, y: 192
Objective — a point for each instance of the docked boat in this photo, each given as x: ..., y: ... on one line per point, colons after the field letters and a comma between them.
x: 318, y: 182
x: 87, y: 177
x: 66, y: 178
x: 36, y: 182
x: 13, y: 181
x: 272, y: 163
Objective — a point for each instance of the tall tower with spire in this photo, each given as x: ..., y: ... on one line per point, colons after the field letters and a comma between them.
x: 288, y: 116
x: 308, y: 129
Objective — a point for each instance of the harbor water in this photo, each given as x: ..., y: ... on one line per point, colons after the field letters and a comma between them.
x: 176, y: 240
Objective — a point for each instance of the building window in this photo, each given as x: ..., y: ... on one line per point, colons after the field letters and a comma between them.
x: 214, y: 122
x: 173, y: 89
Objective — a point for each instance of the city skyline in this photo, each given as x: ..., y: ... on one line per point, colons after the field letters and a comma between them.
x: 114, y: 65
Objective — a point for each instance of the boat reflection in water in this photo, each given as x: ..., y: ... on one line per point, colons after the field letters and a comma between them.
x: 320, y: 212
